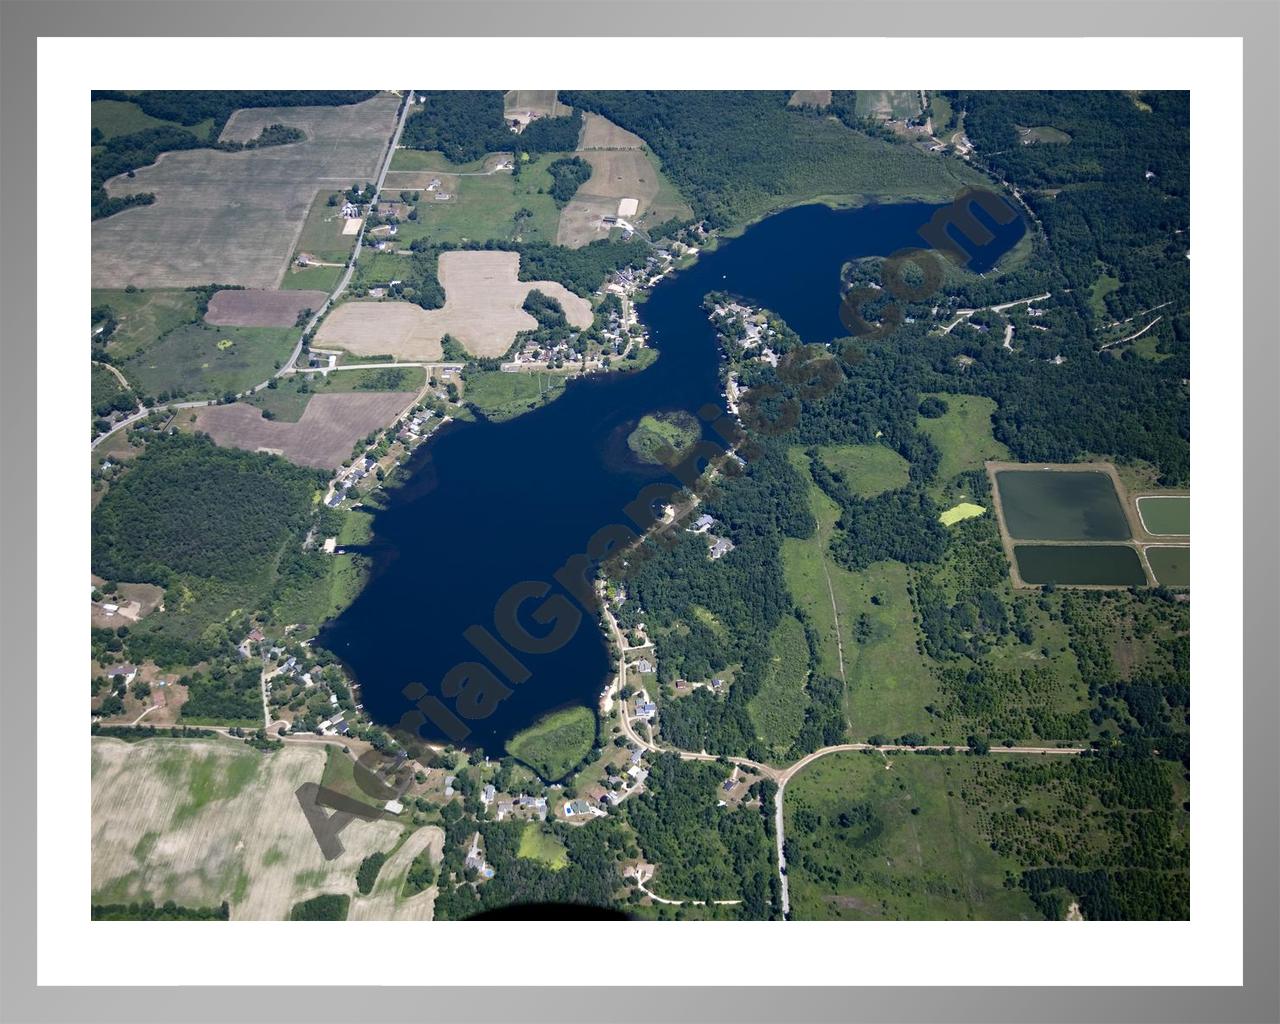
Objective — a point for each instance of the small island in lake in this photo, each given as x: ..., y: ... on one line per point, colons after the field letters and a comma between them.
x: 659, y: 433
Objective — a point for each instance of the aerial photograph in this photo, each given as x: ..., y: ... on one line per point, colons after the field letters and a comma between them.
x: 652, y: 505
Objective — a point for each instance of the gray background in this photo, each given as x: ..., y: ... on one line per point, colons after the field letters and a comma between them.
x: 1259, y: 999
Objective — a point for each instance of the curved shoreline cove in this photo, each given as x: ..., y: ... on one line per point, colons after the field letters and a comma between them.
x: 489, y: 505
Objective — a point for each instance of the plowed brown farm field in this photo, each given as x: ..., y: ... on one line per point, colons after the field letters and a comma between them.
x: 235, y: 217
x: 253, y: 307
x: 322, y: 437
x: 482, y: 310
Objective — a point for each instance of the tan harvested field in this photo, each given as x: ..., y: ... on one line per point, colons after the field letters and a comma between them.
x: 616, y: 174
x: 482, y: 310
x: 810, y: 98
x: 542, y: 102
x: 260, y: 308
x: 322, y: 437
x: 386, y: 903
x: 601, y: 133
x: 202, y: 821
x: 235, y: 217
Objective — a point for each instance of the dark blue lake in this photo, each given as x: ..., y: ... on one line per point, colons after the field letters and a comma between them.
x: 488, y: 505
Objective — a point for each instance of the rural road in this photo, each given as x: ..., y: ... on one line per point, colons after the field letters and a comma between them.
x: 782, y: 776
x: 287, y: 366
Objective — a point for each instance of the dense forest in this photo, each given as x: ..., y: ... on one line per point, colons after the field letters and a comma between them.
x: 1114, y: 198
x: 189, y: 507
x: 465, y: 125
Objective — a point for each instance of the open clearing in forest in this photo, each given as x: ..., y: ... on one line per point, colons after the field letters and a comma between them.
x: 618, y: 175
x: 819, y: 98
x: 202, y: 821
x: 601, y: 133
x: 234, y: 217
x: 324, y: 435
x: 255, y: 307
x: 519, y: 103
x: 482, y: 309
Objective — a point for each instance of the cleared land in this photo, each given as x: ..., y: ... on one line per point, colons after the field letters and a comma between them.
x: 482, y: 310
x: 819, y: 98
x: 888, y: 104
x: 234, y: 217
x: 898, y: 837
x: 963, y: 434
x: 888, y: 682
x: 535, y: 844
x: 260, y: 308
x: 197, y: 360
x: 555, y: 745
x: 322, y: 437
x: 601, y: 133
x: 543, y: 102
x: 201, y: 821
x: 482, y: 205
x: 618, y: 175
x: 868, y: 469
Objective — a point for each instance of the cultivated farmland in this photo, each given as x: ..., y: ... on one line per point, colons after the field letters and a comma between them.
x: 819, y: 98
x: 601, y: 133
x: 482, y: 310
x: 618, y: 174
x: 519, y: 104
x: 201, y: 821
x: 322, y: 437
x: 234, y: 217
x: 260, y: 308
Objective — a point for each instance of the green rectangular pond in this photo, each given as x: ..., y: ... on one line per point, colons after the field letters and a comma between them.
x: 1041, y: 504
x: 1166, y: 515
x: 1172, y: 566
x: 1099, y: 565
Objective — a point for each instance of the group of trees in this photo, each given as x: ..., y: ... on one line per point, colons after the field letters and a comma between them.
x: 465, y: 125
x: 568, y: 174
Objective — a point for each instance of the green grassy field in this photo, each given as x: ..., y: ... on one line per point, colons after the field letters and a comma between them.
x: 959, y: 513
x: 340, y: 776
x: 320, y: 279
x: 144, y: 315
x: 322, y: 235
x: 502, y: 396
x: 555, y: 745
x: 196, y: 361
x: 887, y: 681
x: 942, y: 113
x: 485, y: 207
x: 868, y: 469
x: 896, y: 838
x: 120, y: 117
x: 963, y: 435
x: 1102, y: 287
x: 287, y: 401
x: 778, y: 709
x: 535, y: 844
